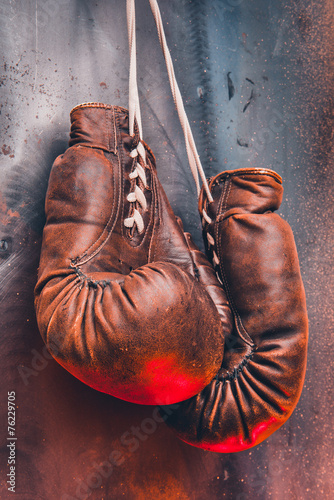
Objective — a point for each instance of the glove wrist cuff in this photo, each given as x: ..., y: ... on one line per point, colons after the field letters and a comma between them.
x: 247, y: 190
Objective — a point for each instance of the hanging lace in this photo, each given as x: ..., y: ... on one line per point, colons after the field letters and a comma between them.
x: 137, y: 196
x: 193, y: 157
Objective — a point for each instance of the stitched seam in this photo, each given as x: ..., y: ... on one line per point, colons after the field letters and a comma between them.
x: 99, y: 105
x: 238, y: 369
x: 259, y: 171
x: 108, y: 229
x: 121, y: 177
x: 107, y: 128
x: 227, y: 194
x: 79, y: 260
x: 224, y: 200
x: 114, y: 130
x: 239, y: 325
x: 156, y: 221
x: 90, y: 282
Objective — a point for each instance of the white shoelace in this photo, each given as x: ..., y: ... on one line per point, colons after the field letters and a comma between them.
x: 137, y: 196
x: 193, y: 157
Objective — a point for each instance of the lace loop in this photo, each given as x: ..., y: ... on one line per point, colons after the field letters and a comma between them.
x: 137, y: 195
x: 215, y: 258
x: 135, y: 219
x: 139, y: 172
x: 139, y: 150
x: 211, y: 241
x: 206, y: 217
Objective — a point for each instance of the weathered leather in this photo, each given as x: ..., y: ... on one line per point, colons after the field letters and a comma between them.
x: 262, y: 374
x: 126, y: 310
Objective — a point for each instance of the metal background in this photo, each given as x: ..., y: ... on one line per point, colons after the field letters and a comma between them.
x: 257, y: 79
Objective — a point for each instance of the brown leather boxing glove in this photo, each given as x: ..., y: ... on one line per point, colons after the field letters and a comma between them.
x: 117, y: 290
x: 261, y: 378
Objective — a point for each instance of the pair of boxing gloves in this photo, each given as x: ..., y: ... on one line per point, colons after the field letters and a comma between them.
x: 136, y: 311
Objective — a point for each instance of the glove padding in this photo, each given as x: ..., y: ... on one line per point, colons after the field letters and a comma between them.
x: 117, y: 291
x: 261, y: 378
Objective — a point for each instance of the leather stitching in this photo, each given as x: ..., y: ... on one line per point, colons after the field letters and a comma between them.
x: 106, y: 128
x: 237, y: 370
x: 222, y: 206
x: 121, y: 174
x: 89, y: 281
x: 85, y: 257
x: 250, y: 171
x: 156, y: 220
x: 114, y: 130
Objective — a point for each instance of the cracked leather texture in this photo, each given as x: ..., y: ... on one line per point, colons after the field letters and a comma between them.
x: 262, y: 374
x: 124, y: 312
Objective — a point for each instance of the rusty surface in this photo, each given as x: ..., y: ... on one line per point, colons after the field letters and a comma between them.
x: 257, y: 78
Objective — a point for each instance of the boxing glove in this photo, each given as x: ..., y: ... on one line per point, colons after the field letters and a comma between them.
x: 260, y: 380
x: 118, y: 293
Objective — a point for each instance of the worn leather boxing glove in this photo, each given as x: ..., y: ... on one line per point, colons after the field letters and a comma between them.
x: 117, y: 292
x: 262, y: 374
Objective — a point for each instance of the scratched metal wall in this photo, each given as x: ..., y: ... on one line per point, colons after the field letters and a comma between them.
x: 257, y: 79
